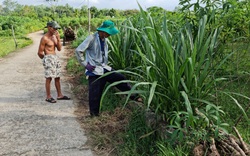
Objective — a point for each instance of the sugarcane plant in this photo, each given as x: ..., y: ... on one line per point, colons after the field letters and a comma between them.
x: 176, y: 73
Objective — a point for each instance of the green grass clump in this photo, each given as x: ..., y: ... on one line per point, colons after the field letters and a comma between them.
x: 7, y: 44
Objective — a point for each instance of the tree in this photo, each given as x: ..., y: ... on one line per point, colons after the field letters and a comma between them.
x: 93, y: 11
x: 84, y: 11
x: 112, y: 12
x: 42, y: 12
x: 66, y: 10
x: 1, y: 9
x: 9, y: 6
x: 130, y: 12
x: 156, y: 11
x: 53, y: 4
x: 26, y: 11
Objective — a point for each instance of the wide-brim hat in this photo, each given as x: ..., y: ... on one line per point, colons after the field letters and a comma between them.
x: 108, y: 27
x: 53, y: 24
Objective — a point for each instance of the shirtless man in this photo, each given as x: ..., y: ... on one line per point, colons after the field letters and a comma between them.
x: 49, y: 42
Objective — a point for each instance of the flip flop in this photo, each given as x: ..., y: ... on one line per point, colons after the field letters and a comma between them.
x: 51, y: 100
x: 63, y: 98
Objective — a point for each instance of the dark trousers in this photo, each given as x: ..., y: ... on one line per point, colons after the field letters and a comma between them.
x: 96, y: 88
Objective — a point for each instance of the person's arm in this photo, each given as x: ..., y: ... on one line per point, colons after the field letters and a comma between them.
x: 41, y: 48
x: 57, y: 41
x: 81, y: 49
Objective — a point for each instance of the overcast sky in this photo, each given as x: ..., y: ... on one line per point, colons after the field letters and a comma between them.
x: 116, y: 4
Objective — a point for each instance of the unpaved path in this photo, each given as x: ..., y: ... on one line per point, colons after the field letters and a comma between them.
x: 30, y: 126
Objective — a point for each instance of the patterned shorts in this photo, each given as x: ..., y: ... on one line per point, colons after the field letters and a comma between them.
x: 52, y: 66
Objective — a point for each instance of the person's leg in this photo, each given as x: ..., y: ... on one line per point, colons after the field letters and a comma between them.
x: 58, y: 87
x: 49, y: 73
x: 47, y: 87
x: 57, y: 75
x: 114, y: 77
x: 95, y: 93
x: 48, y: 94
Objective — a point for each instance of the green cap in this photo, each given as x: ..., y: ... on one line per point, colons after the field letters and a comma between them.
x: 53, y: 24
x: 108, y: 27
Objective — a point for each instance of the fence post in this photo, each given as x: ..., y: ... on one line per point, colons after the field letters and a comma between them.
x: 13, y: 34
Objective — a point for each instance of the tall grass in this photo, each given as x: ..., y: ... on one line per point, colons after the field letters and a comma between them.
x: 179, y: 71
x: 7, y: 44
x: 176, y: 71
x: 174, y: 62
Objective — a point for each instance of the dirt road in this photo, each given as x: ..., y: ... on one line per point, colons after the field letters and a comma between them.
x: 30, y: 126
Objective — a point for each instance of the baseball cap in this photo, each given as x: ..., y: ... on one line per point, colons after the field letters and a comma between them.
x: 53, y: 24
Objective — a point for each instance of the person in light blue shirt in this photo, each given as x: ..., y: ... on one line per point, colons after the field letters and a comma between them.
x: 95, y: 62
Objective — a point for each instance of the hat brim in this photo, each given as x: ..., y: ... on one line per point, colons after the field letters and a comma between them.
x: 57, y: 27
x: 110, y: 31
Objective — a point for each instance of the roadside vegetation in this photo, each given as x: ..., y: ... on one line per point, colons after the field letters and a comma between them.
x: 13, y: 32
x: 191, y: 67
x: 7, y: 44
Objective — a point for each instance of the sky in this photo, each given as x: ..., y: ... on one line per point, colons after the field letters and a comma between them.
x: 108, y: 4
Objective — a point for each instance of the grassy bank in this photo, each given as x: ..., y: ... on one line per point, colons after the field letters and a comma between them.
x: 120, y: 131
x: 184, y: 74
x: 7, y: 44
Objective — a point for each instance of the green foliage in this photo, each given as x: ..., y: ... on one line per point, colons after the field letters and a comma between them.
x: 7, y: 44
x: 203, y: 124
x: 229, y: 15
x: 73, y: 66
x: 137, y: 141
x: 177, y: 69
x: 111, y: 101
x: 166, y: 149
x: 78, y: 41
x: 21, y: 25
x: 185, y: 65
x: 121, y: 46
x: 190, y: 66
x: 9, y: 6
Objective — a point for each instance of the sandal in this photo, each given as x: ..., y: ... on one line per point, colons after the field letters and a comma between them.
x: 63, y: 98
x: 51, y: 100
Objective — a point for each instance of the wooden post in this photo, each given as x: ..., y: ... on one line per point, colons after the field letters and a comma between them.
x: 13, y: 34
